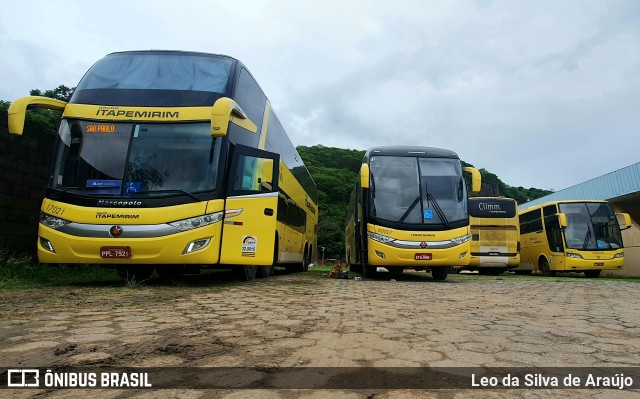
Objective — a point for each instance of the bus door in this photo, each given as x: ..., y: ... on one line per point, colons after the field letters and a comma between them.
x: 249, y: 229
x: 554, y: 237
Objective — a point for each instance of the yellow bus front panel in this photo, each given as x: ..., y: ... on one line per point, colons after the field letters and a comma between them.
x: 390, y: 247
x: 591, y: 260
x: 156, y: 250
x: 182, y: 234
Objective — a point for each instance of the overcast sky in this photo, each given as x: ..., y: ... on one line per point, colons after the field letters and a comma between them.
x: 544, y: 94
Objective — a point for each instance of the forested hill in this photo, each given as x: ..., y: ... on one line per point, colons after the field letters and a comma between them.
x: 335, y: 171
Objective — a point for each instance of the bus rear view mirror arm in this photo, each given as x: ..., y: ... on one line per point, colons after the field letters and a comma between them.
x: 225, y: 111
x: 562, y: 219
x: 18, y: 110
x: 476, y: 179
x: 627, y: 220
x: 364, y: 176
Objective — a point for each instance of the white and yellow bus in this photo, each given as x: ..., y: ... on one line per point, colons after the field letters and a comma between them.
x: 495, y: 235
x: 408, y: 210
x: 169, y: 159
x: 571, y: 236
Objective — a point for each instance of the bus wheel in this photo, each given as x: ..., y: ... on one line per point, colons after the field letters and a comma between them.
x: 264, y: 271
x: 592, y: 273
x: 439, y: 273
x: 244, y: 273
x: 135, y: 274
x: 545, y: 269
x: 369, y: 271
x: 306, y: 259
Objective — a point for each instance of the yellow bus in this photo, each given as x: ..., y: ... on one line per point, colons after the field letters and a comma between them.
x: 571, y: 236
x: 169, y: 160
x: 495, y: 235
x: 408, y: 210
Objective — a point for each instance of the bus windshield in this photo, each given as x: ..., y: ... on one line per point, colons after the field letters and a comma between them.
x: 126, y: 159
x: 428, y: 191
x: 591, y: 226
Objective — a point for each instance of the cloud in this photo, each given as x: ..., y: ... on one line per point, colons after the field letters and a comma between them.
x: 541, y: 93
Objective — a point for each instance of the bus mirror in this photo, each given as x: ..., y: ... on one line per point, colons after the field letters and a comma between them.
x: 626, y: 218
x: 18, y: 110
x: 562, y: 219
x: 225, y: 111
x: 476, y: 179
x: 364, y: 176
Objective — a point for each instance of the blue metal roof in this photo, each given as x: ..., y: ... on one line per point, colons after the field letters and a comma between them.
x: 612, y: 185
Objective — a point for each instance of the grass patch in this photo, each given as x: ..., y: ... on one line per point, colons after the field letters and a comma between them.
x: 18, y: 272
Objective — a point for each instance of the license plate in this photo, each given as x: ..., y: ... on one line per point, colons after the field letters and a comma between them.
x: 423, y: 257
x: 115, y: 252
x: 599, y: 264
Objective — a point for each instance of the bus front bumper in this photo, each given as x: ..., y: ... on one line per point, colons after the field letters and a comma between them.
x: 179, y: 248
x: 385, y: 255
x: 573, y: 264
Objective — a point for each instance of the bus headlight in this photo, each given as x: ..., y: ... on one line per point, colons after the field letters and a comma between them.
x: 52, y: 221
x: 619, y: 255
x: 572, y: 255
x: 380, y: 238
x: 461, y: 240
x: 198, y: 221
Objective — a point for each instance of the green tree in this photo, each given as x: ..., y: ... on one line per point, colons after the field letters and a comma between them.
x: 61, y: 92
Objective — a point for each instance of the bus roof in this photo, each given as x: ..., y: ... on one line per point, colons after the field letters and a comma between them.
x: 173, y: 52
x: 492, y: 198
x: 158, y: 78
x: 411, y: 151
x: 532, y: 208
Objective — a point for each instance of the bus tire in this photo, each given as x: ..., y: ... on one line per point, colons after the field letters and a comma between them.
x: 592, y: 273
x: 306, y: 259
x: 244, y: 273
x: 135, y: 273
x: 545, y: 269
x: 439, y: 273
x: 264, y: 271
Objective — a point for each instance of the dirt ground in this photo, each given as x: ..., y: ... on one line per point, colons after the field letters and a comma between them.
x: 307, y: 320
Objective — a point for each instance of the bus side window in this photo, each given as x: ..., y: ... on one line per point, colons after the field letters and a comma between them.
x: 250, y: 98
x: 254, y: 174
x: 246, y: 174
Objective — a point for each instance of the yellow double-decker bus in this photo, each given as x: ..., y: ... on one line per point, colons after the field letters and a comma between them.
x: 169, y: 160
x: 495, y: 235
x: 408, y: 210
x: 571, y: 236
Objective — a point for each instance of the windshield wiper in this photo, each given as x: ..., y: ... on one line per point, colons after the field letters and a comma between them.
x: 408, y: 211
x: 194, y: 197
x: 439, y: 211
x: 587, y: 237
